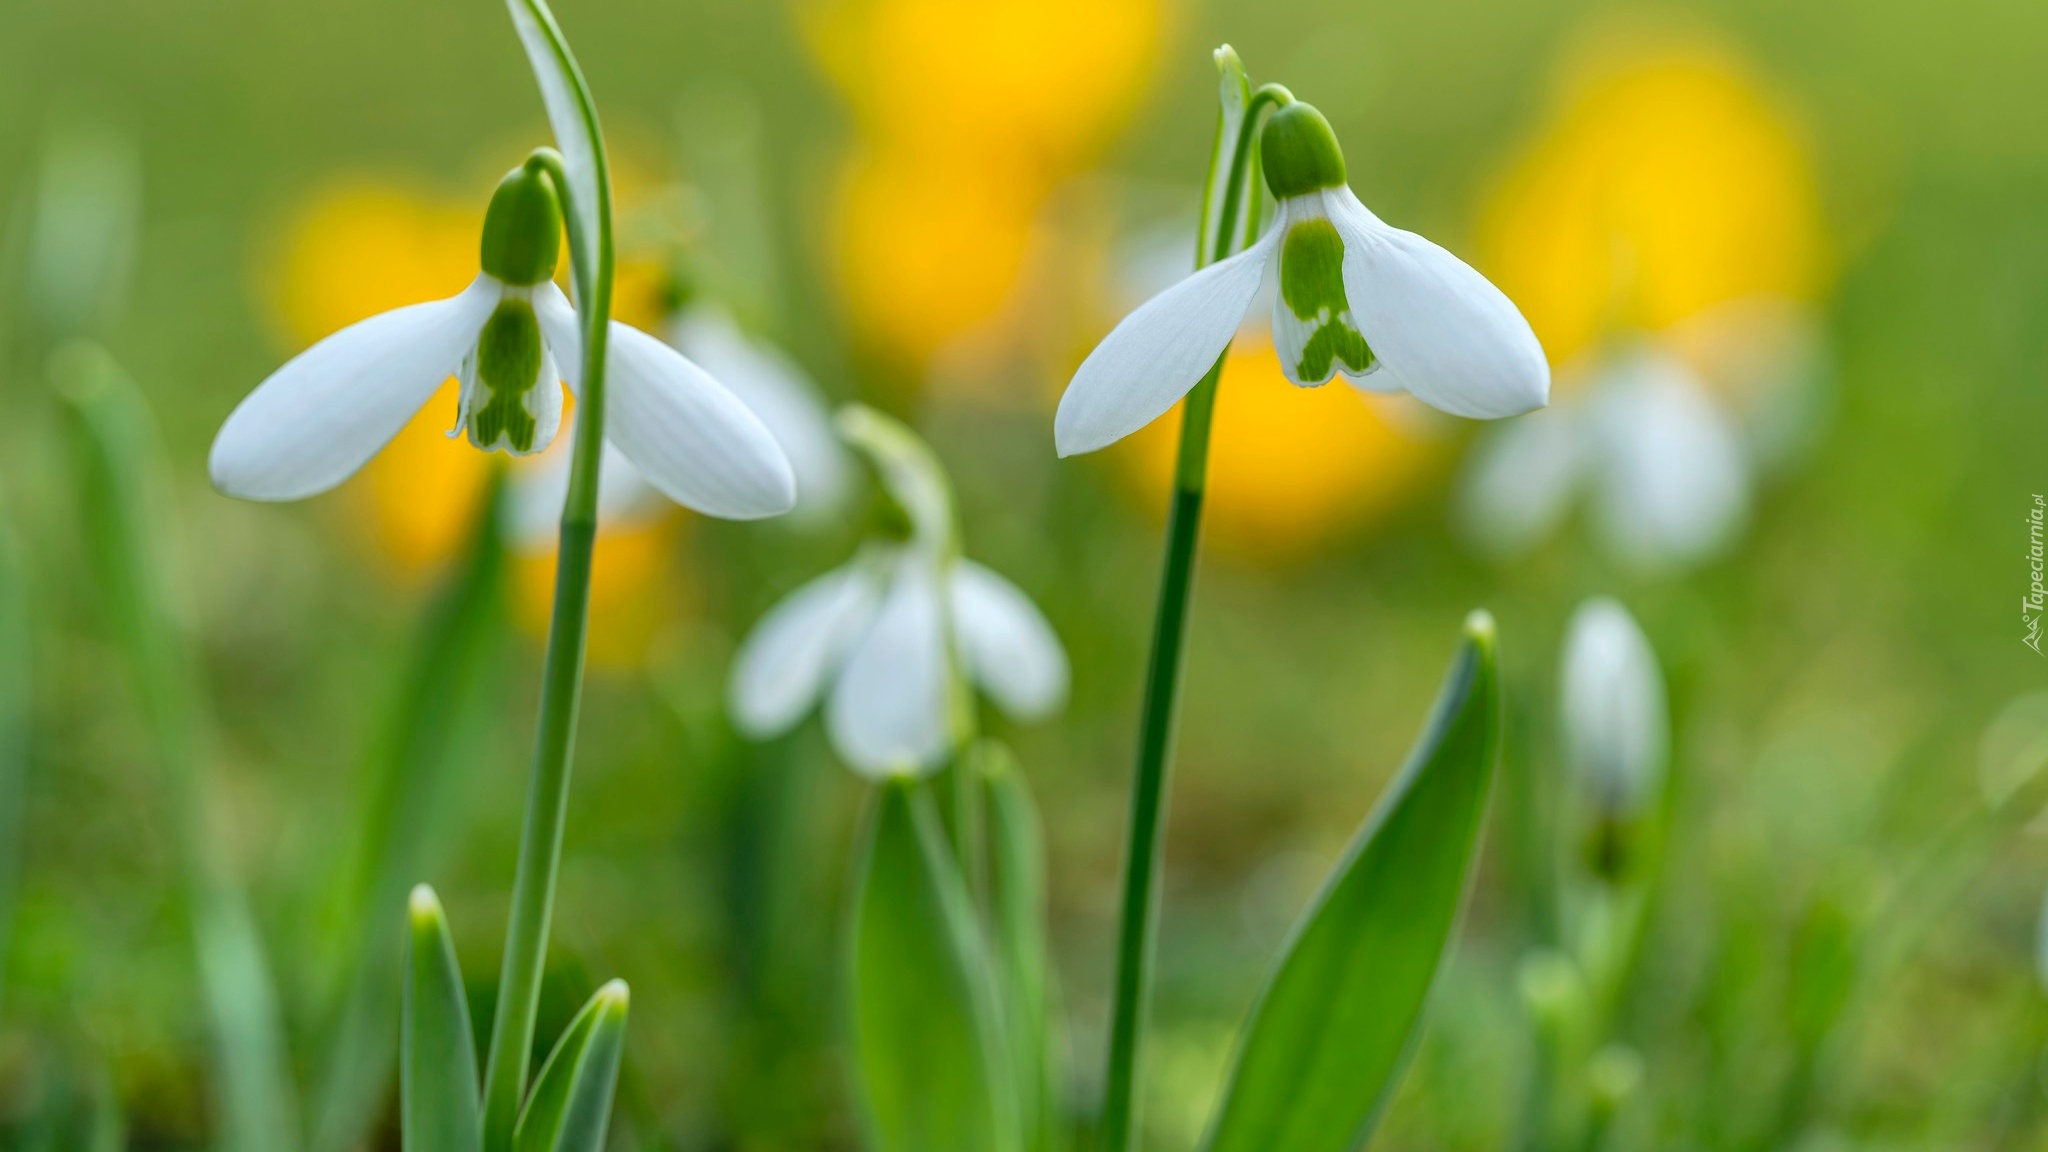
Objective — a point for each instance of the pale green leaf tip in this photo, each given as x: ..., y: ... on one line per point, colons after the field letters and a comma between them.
x: 1479, y: 628
x: 1226, y: 59
x: 614, y: 998
x: 853, y: 420
x: 424, y: 906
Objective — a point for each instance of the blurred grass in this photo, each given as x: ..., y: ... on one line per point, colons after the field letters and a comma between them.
x: 1830, y: 680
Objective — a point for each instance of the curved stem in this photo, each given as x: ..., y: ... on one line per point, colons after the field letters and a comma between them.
x: 547, y: 798
x: 1138, y: 927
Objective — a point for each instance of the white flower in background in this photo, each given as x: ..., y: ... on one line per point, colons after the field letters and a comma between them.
x: 1617, y: 734
x: 776, y: 389
x: 1665, y: 437
x: 512, y: 338
x: 1661, y: 462
x: 892, y: 637
x: 1387, y: 309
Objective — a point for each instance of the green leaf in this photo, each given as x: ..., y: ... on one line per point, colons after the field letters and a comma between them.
x: 587, y: 208
x: 927, y: 1044
x: 439, y: 1106
x: 15, y: 697
x: 571, y: 1103
x: 433, y: 730
x: 1326, y: 1042
x: 123, y: 494
x: 1017, y: 911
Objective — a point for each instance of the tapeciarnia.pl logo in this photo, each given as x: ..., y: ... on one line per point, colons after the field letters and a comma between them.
x: 2037, y: 596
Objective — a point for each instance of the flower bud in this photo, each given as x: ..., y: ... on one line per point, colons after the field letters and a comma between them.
x: 522, y: 228
x: 1299, y: 152
x: 1616, y: 732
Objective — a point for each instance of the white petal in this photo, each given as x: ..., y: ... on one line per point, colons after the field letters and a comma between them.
x: 690, y: 437
x: 1616, y: 731
x: 1674, y: 483
x: 1006, y: 644
x: 576, y: 135
x: 323, y: 415
x: 887, y: 715
x: 784, y: 663
x: 1439, y: 329
x: 1159, y: 352
x: 775, y: 389
x: 1520, y: 480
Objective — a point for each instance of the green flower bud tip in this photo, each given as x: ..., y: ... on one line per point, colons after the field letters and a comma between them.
x: 1300, y: 152
x: 508, y: 359
x: 522, y: 229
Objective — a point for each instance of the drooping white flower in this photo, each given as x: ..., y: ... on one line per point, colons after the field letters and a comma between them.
x: 1662, y: 461
x: 1386, y: 309
x: 775, y: 388
x: 512, y: 339
x: 1617, y: 736
x: 883, y: 638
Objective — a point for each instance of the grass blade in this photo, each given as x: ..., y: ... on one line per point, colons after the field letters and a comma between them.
x: 1017, y: 914
x: 440, y: 1108
x: 932, y: 1072
x: 433, y: 730
x: 1326, y: 1042
x: 15, y: 702
x: 571, y: 1102
x: 122, y: 485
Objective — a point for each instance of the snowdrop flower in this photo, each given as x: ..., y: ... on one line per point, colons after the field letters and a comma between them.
x: 1663, y: 462
x: 1386, y: 309
x: 1616, y: 733
x: 511, y: 338
x: 775, y: 388
x: 891, y: 639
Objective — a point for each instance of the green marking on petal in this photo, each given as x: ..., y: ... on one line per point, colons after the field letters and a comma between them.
x: 508, y: 359
x: 1312, y: 286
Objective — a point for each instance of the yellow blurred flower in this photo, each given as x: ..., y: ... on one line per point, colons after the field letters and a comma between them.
x: 1289, y: 468
x: 966, y: 116
x: 1041, y: 81
x: 1664, y: 183
x: 360, y: 247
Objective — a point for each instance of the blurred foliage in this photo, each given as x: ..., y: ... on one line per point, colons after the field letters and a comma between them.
x: 1837, y: 951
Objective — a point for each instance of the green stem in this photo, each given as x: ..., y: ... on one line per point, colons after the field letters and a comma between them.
x: 1138, y: 927
x: 547, y: 797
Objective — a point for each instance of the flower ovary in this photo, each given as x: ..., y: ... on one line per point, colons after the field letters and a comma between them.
x: 522, y: 229
x: 1299, y: 152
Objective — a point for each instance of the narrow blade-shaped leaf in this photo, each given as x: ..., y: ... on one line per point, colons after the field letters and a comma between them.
x: 123, y: 491
x: 587, y: 1116
x: 932, y: 1072
x: 577, y: 136
x: 1017, y: 913
x: 15, y: 682
x: 439, y: 1106
x: 583, y: 1067
x: 434, y: 730
x: 1326, y: 1042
